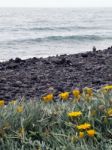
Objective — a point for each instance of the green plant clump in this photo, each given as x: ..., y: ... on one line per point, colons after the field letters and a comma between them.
x: 83, y: 122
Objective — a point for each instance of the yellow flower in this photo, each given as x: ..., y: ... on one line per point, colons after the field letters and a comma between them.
x: 48, y: 98
x: 91, y: 132
x: 64, y: 96
x: 81, y: 134
x: 108, y: 87
x: 109, y: 112
x: 74, y: 114
x: 19, y: 109
x: 84, y: 126
x: 76, y: 93
x: 21, y: 132
x: 88, y: 91
x: 2, y: 103
x: 13, y: 102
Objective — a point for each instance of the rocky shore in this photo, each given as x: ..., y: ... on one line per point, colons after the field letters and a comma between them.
x: 33, y: 77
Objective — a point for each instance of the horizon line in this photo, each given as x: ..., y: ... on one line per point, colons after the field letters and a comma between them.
x: 56, y: 7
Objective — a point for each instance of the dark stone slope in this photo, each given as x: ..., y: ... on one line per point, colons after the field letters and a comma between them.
x: 33, y: 77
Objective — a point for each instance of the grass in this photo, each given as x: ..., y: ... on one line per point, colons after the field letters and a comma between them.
x: 43, y: 125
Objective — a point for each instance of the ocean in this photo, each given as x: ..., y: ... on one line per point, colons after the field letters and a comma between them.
x: 43, y: 32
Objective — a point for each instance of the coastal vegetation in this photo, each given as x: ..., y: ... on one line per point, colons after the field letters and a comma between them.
x: 80, y: 120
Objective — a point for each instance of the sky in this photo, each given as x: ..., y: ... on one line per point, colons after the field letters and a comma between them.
x: 55, y: 3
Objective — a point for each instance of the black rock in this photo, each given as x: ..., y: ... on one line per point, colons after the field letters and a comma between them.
x: 17, y: 60
x: 12, y: 66
x: 84, y: 55
x: 17, y: 84
x: 33, y: 77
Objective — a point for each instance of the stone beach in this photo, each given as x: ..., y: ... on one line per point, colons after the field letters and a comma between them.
x: 31, y: 78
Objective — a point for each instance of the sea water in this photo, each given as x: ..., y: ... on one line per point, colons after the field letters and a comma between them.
x: 42, y: 32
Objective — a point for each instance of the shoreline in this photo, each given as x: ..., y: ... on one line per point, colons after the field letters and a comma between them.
x: 33, y: 77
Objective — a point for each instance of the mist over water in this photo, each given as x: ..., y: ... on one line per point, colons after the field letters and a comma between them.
x: 29, y: 32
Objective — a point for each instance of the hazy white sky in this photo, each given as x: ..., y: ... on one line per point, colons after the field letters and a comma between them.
x: 55, y: 3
